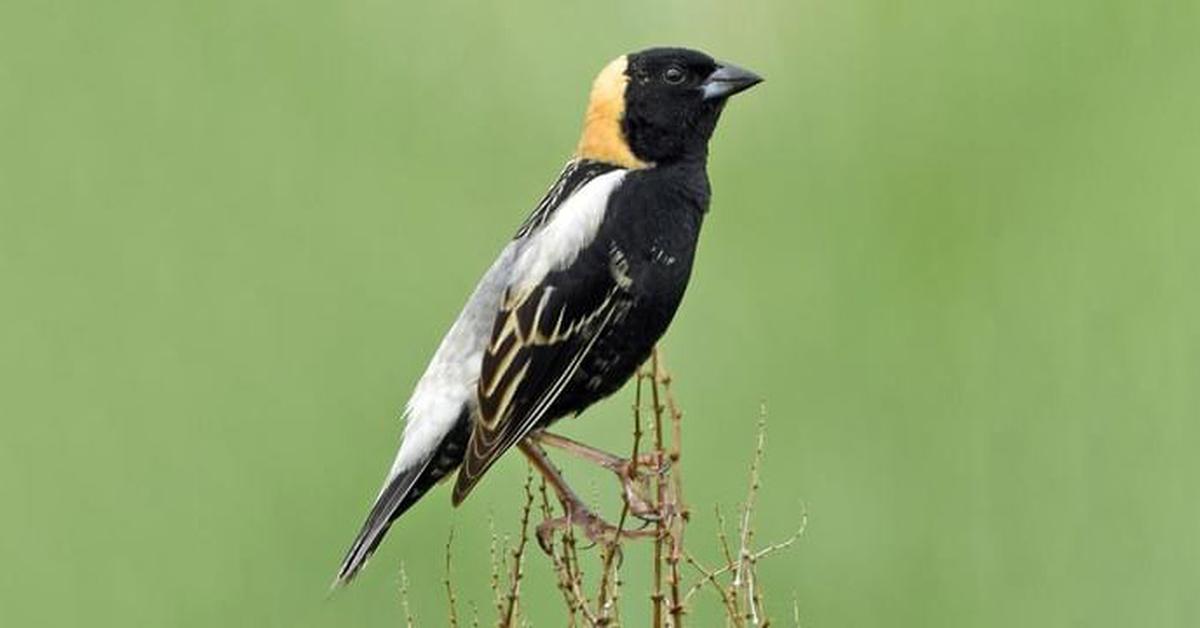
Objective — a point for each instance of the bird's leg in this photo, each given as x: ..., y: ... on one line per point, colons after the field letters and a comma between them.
x: 633, y: 483
x: 612, y: 462
x: 577, y: 512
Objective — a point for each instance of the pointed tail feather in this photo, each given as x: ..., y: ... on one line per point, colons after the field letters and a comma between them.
x: 397, y: 497
x: 400, y: 493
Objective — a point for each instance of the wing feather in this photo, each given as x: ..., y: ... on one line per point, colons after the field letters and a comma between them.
x: 562, y: 295
x: 513, y: 403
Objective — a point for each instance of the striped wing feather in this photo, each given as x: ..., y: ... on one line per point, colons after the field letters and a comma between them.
x: 540, y: 338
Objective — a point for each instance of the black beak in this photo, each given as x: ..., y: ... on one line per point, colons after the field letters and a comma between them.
x: 728, y: 80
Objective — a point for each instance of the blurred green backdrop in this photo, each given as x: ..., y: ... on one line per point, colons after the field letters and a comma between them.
x: 953, y: 246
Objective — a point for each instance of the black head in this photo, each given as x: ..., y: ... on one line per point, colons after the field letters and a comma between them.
x: 658, y: 105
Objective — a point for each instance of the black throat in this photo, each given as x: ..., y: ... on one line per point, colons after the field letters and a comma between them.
x: 667, y: 135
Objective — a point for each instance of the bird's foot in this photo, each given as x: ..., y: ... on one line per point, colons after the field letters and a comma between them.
x: 635, y: 474
x: 593, y: 526
x: 653, y: 463
x: 636, y: 483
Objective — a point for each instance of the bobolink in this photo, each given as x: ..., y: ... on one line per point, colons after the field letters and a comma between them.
x: 577, y: 300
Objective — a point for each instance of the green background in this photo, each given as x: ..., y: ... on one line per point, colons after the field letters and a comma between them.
x: 953, y: 247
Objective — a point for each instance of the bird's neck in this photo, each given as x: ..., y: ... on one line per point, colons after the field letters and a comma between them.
x: 602, y: 138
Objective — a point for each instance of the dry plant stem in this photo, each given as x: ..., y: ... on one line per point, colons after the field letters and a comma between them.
x: 742, y: 586
x: 562, y: 578
x: 744, y: 576
x: 571, y: 558
x: 453, y: 617
x: 673, y: 515
x: 616, y: 588
x: 674, y: 507
x: 570, y: 552
x: 614, y: 547
x: 409, y: 621
x: 606, y: 610
x: 569, y: 581
x: 731, y: 593
x: 494, y: 560
x: 659, y: 494
x: 710, y: 576
x: 659, y: 526
x: 518, y: 558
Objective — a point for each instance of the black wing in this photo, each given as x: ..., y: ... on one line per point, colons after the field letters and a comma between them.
x: 541, y: 337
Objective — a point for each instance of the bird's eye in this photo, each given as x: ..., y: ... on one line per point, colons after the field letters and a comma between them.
x: 674, y: 75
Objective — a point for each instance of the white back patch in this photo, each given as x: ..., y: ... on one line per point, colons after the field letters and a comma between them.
x: 572, y: 227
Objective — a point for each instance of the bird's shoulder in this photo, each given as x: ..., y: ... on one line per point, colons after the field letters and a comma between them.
x: 575, y: 175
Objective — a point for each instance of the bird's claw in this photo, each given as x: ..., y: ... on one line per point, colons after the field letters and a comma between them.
x: 646, y: 464
x: 594, y: 527
x: 635, y: 483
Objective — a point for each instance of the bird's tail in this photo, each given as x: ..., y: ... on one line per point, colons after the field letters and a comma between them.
x: 401, y: 492
x: 397, y: 497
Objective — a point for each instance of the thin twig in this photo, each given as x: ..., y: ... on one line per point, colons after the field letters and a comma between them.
x: 674, y: 510
x: 659, y: 525
x: 453, y: 618
x: 575, y: 568
x: 744, y: 577
x: 518, y: 557
x: 409, y: 621
x: 730, y: 563
x: 564, y: 558
x: 560, y: 569
x: 494, y: 560
x: 604, y: 610
x: 710, y: 576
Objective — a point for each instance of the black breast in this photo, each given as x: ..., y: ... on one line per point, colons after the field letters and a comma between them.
x: 648, y: 239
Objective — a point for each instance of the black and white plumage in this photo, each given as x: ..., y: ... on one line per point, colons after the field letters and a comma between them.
x: 575, y: 302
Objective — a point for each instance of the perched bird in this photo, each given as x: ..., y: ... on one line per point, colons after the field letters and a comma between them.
x: 578, y: 298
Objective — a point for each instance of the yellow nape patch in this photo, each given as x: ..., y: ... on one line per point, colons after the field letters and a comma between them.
x: 602, y: 139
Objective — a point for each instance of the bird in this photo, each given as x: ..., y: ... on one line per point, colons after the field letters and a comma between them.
x: 578, y: 298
